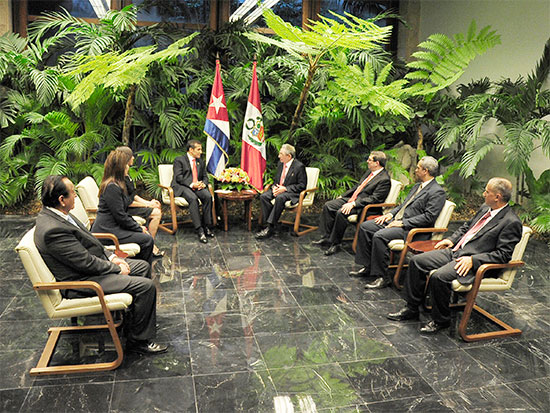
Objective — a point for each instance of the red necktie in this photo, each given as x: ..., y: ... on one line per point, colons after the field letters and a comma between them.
x: 283, y: 175
x: 194, y: 171
x: 472, y: 231
x: 360, y: 188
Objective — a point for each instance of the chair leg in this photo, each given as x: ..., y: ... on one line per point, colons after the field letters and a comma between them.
x: 469, y: 306
x: 172, y: 227
x: 399, y: 267
x: 43, y: 368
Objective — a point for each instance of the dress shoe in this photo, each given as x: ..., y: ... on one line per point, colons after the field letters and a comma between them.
x: 320, y: 242
x: 145, y: 347
x: 404, y: 314
x: 363, y: 272
x: 158, y: 254
x: 265, y: 233
x: 202, y: 236
x: 378, y: 284
x: 432, y: 327
x: 332, y: 250
x: 208, y: 232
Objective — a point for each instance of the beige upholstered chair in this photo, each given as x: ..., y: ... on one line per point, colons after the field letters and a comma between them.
x: 389, y: 202
x: 306, y: 199
x: 398, y: 246
x: 121, y: 250
x: 88, y: 191
x: 57, y: 307
x: 166, y: 173
x: 480, y: 284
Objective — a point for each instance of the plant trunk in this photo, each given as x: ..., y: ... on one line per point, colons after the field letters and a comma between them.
x: 420, y: 142
x: 128, y: 115
x: 303, y: 97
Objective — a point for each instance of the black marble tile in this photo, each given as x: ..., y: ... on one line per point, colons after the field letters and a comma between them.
x: 339, y: 316
x: 453, y: 369
x: 317, y: 295
x: 15, y: 335
x: 376, y: 311
x: 386, y: 379
x: 283, y: 320
x: 175, y: 362
x: 355, y: 291
x: 251, y: 279
x: 421, y: 404
x: 15, y: 368
x: 69, y: 398
x: 219, y: 325
x: 171, y: 327
x: 407, y: 339
x: 235, y: 392
x: 306, y: 277
x: 226, y: 355
x: 539, y: 348
x: 175, y: 394
x: 535, y: 392
x: 510, y: 361
x: 170, y: 303
x: 12, y: 400
x: 4, y: 302
x: 486, y: 399
x: 24, y: 308
x: 12, y: 287
x: 247, y: 262
x: 322, y: 386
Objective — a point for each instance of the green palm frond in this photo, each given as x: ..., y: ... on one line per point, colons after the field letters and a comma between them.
x: 48, y: 165
x: 7, y: 112
x: 12, y: 42
x: 444, y: 60
x: 474, y: 154
x: 46, y: 84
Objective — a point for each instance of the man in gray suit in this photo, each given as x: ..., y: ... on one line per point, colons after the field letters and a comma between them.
x: 489, y: 237
x: 72, y: 253
x: 420, y: 209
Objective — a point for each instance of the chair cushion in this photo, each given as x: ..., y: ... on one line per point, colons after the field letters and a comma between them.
x: 487, y: 284
x: 180, y: 201
x: 353, y: 218
x: 90, y: 305
x: 88, y: 191
x: 396, y: 244
x: 132, y: 249
x: 139, y: 220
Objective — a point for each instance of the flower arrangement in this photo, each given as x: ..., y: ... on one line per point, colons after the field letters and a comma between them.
x: 234, y: 179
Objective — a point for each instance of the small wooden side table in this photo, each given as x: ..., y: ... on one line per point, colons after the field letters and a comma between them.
x: 418, y: 247
x: 246, y: 196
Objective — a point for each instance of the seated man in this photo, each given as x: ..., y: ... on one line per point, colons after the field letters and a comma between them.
x: 373, y: 188
x: 72, y: 253
x: 289, y: 181
x: 489, y: 237
x: 191, y: 182
x: 420, y: 209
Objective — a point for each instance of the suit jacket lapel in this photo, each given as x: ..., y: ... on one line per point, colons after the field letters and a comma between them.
x: 492, y: 223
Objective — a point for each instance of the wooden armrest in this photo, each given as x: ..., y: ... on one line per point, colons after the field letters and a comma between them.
x: 415, y: 231
x: 304, y: 193
x: 170, y: 192
x: 486, y: 267
x: 91, y: 210
x: 73, y: 285
x: 369, y: 206
x: 104, y: 235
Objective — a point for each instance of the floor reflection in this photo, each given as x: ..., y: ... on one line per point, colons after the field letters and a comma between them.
x: 277, y: 326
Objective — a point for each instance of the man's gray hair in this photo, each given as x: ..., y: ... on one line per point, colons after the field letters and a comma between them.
x: 430, y: 164
x: 501, y: 186
x: 289, y: 150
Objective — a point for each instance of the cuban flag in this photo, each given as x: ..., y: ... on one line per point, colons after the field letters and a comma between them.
x: 217, y: 128
x: 253, y: 147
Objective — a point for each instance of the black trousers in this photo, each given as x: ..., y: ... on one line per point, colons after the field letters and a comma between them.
x: 192, y: 197
x: 271, y: 213
x: 372, y: 247
x: 333, y: 222
x: 142, y: 320
x: 443, y: 261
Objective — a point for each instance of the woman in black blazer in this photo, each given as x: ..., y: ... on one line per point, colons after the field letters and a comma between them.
x: 112, y: 212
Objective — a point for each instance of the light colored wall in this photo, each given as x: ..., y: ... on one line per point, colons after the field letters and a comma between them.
x: 5, y: 16
x: 524, y: 28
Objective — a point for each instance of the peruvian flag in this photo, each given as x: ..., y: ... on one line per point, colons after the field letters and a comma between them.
x: 253, y: 148
x: 217, y: 127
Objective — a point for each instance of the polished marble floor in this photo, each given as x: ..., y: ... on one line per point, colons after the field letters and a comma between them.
x: 275, y: 326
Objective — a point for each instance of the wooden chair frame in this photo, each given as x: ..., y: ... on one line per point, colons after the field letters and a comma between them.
x: 363, y: 217
x: 54, y: 333
x: 297, y: 224
x: 172, y: 226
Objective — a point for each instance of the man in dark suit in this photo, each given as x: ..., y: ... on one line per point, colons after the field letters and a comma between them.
x: 489, y: 237
x: 289, y: 181
x: 72, y: 253
x: 373, y: 188
x: 191, y: 182
x: 420, y: 209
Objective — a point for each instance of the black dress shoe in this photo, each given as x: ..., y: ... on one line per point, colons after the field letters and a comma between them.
x: 378, y: 284
x: 363, y: 272
x: 320, y: 242
x: 202, y: 236
x: 266, y: 233
x: 404, y: 314
x: 332, y: 250
x: 208, y: 232
x: 145, y: 347
x: 432, y: 327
